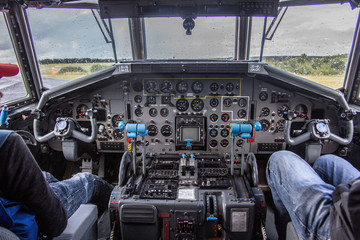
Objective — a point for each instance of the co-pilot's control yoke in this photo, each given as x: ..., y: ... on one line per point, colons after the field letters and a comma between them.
x: 244, y: 131
x: 133, y: 130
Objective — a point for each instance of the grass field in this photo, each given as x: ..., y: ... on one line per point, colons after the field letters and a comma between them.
x: 52, y: 71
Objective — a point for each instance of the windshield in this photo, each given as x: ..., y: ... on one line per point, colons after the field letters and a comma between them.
x: 313, y: 42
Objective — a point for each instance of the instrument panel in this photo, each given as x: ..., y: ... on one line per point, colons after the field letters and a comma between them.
x: 207, y: 105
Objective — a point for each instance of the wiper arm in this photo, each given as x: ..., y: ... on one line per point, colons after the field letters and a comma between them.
x: 279, y: 17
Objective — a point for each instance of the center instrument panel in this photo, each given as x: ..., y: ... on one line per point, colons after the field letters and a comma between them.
x: 192, y: 107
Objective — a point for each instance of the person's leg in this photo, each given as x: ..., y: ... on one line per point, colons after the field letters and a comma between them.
x: 82, y: 188
x: 49, y: 177
x: 298, y: 188
x: 335, y: 170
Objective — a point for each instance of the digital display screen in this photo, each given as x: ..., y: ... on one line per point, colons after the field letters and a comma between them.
x: 190, y: 133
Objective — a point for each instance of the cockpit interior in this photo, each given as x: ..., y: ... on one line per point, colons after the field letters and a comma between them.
x: 184, y: 142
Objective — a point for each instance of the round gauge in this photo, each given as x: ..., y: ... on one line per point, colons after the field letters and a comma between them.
x: 165, y: 99
x: 116, y: 119
x: 213, y: 132
x: 137, y: 86
x: 265, y: 112
x: 214, y: 117
x: 182, y: 87
x: 281, y: 110
x: 239, y: 142
x: 263, y: 96
x: 197, y: 105
x: 224, y: 132
x: 151, y: 99
x: 81, y: 110
x: 265, y: 125
x: 224, y: 143
x: 229, y: 87
x: 225, y: 117
x: 152, y: 112
x: 118, y: 134
x: 182, y: 105
x: 166, y: 87
x: 214, y: 87
x: 152, y: 130
x: 61, y: 125
x: 280, y: 125
x: 138, y: 112
x: 301, y: 111
x: 322, y: 127
x: 242, y: 102
x: 164, y: 112
x: 150, y: 86
x: 166, y: 130
x: 227, y: 102
x: 138, y: 99
x: 197, y: 87
x: 214, y: 102
x: 213, y: 143
x: 242, y: 113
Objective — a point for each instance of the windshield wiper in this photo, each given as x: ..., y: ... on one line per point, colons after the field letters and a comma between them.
x: 104, y: 28
x: 272, y: 28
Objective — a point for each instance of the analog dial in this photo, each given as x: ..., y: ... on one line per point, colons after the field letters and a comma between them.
x: 227, y: 102
x: 214, y: 117
x: 282, y: 109
x: 166, y: 87
x: 225, y: 117
x: 197, y: 87
x: 242, y: 113
x: 229, y: 87
x: 239, y: 142
x: 301, y: 111
x: 182, y: 87
x: 213, y: 143
x: 224, y: 132
x: 197, y: 105
x: 138, y: 112
x: 213, y: 132
x: 81, y: 110
x: 264, y: 112
x: 152, y: 112
x: 214, y: 87
x: 164, y: 112
x: 263, y: 96
x: 116, y: 119
x: 165, y: 99
x: 280, y: 125
x: 224, y: 143
x: 151, y: 86
x: 151, y: 100
x: 182, y: 105
x: 138, y: 99
x: 152, y: 130
x: 242, y: 102
x: 118, y: 134
x: 166, y: 130
x: 214, y: 102
x: 265, y: 125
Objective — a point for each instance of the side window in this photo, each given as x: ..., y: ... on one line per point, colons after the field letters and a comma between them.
x: 13, y: 88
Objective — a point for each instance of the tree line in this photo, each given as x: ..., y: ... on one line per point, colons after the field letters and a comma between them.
x: 75, y: 60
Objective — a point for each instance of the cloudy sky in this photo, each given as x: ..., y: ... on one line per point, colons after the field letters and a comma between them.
x: 60, y: 33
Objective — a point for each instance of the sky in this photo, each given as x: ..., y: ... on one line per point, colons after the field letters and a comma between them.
x: 70, y: 33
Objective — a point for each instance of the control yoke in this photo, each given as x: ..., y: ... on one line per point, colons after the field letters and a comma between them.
x: 317, y: 129
x: 66, y: 128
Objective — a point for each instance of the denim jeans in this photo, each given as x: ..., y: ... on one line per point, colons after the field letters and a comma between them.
x: 81, y: 188
x: 305, y: 193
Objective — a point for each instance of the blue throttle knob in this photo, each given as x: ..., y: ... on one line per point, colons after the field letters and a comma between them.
x: 188, y: 142
x: 121, y: 125
x: 257, y: 126
x: 3, y: 115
